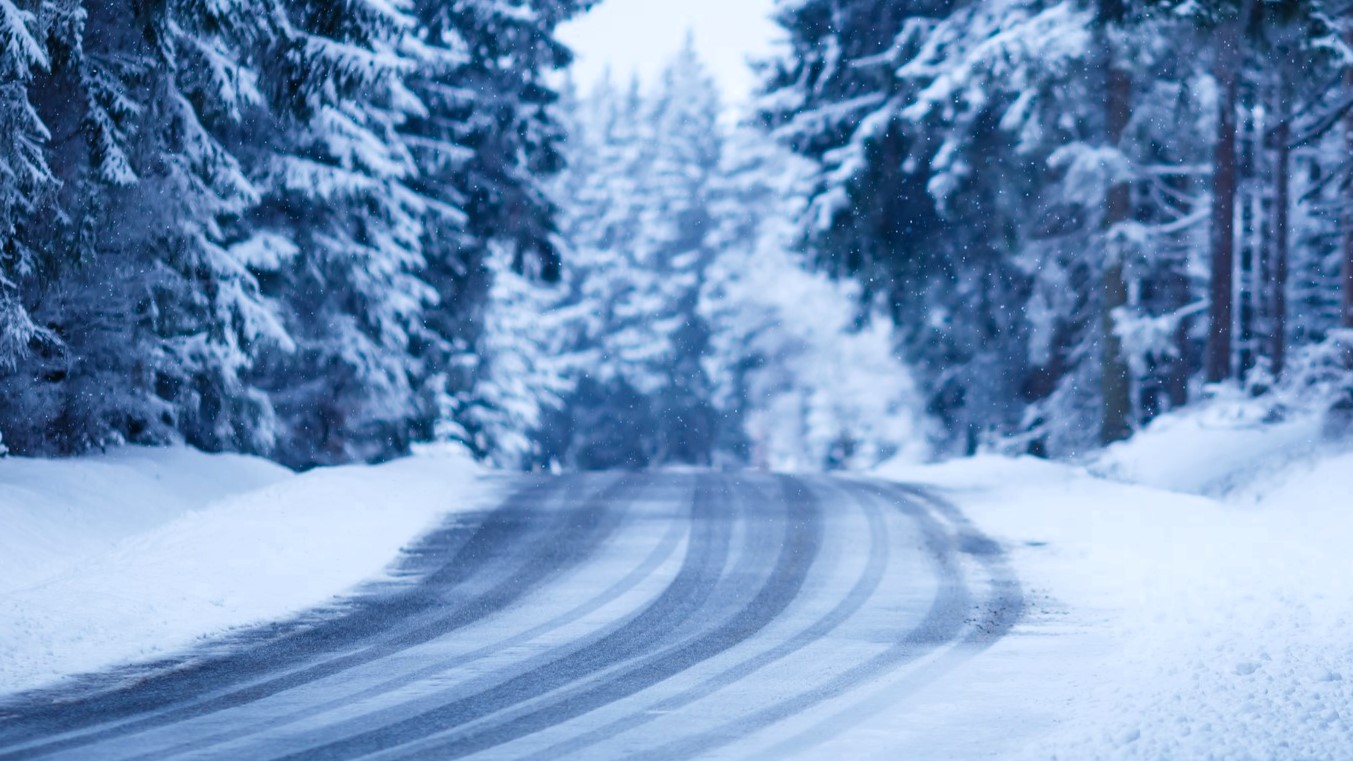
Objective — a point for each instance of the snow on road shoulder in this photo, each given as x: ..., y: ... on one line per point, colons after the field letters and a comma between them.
x: 1215, y: 448
x: 1163, y: 624
x: 212, y: 544
x: 56, y: 512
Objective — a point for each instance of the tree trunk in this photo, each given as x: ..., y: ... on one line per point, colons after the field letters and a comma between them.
x: 1250, y: 236
x: 1116, y: 379
x: 1116, y: 382
x: 1219, y: 366
x: 1347, y: 313
x: 1179, y: 371
x: 1281, y: 207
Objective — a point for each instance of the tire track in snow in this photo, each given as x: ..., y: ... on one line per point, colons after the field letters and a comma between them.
x: 742, y: 569
x: 988, y: 619
x: 524, y: 550
x: 686, y: 596
x: 441, y: 667
x: 860, y: 592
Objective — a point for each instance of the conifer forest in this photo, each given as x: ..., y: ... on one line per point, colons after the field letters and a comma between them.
x: 324, y: 231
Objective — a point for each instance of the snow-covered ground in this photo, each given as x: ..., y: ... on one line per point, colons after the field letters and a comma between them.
x: 1188, y: 597
x: 1187, y: 591
x: 139, y: 552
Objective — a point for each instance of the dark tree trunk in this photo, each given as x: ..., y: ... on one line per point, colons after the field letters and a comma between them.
x: 1116, y: 381
x: 1218, y: 365
x: 1282, y: 204
x: 1251, y: 237
x: 1181, y: 369
x: 1347, y: 313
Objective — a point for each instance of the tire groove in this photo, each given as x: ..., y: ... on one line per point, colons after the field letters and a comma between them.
x: 997, y: 614
x: 860, y: 592
x: 799, y: 549
x: 369, y: 621
x: 943, y: 621
x: 641, y: 572
x: 706, y: 551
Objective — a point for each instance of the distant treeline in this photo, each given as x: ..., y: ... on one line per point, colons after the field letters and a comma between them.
x: 686, y: 328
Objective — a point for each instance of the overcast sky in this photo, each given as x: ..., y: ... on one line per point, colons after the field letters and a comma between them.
x: 641, y: 35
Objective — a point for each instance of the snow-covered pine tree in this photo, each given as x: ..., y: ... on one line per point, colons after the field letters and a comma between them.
x: 525, y: 367
x: 971, y: 177
x: 925, y: 220
x: 261, y: 224
x: 607, y: 417
x: 485, y: 149
x: 648, y: 247
x: 338, y: 232
x: 639, y: 224
x: 801, y: 381
x: 675, y: 244
x: 147, y: 318
x: 701, y: 337
x: 23, y: 168
x: 1091, y: 228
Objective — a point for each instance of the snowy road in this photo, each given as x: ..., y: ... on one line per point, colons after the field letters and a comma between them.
x: 597, y: 616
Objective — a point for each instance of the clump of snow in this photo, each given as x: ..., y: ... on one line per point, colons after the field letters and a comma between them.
x: 139, y: 553
x: 1165, y: 624
x: 1216, y: 447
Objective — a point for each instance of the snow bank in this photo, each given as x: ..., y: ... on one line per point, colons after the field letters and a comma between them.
x: 1165, y: 624
x: 139, y: 553
x: 1214, y: 448
x: 57, y: 512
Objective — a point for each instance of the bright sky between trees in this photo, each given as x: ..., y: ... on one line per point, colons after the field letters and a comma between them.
x: 639, y: 36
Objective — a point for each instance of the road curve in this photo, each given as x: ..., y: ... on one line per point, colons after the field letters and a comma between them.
x: 671, y: 615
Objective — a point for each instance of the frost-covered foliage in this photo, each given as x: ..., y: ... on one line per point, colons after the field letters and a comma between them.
x: 337, y: 185
x: 686, y: 329
x: 147, y: 322
x: 812, y: 383
x: 261, y: 224
x: 24, y: 172
x: 639, y: 219
x: 527, y: 364
x: 1019, y: 181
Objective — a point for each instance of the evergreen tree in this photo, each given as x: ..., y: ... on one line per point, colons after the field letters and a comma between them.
x: 147, y: 318
x: 1011, y: 178
x: 802, y: 380
x: 484, y: 149
x: 524, y: 369
x: 608, y: 418
x: 261, y: 225
x: 922, y: 176
x: 24, y: 173
x: 677, y: 226
x: 344, y: 268
x: 642, y: 227
x: 698, y: 334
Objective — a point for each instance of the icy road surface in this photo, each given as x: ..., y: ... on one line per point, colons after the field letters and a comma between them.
x: 594, y: 616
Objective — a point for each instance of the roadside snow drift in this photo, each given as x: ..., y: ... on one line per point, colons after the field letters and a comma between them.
x: 1163, y: 624
x: 138, y: 553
